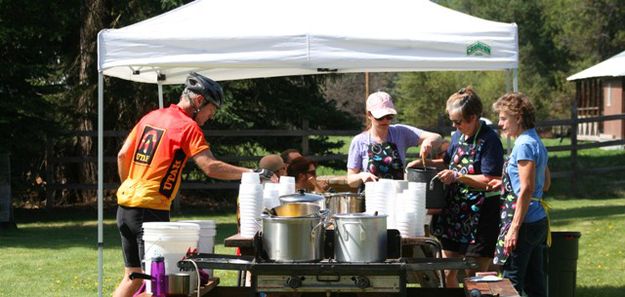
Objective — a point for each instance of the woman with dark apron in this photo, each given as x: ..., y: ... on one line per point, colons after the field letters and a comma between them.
x: 524, y: 228
x: 467, y: 227
x: 380, y: 151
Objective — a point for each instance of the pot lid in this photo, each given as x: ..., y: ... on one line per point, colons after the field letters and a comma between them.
x: 301, y: 196
x: 360, y: 215
x: 345, y: 194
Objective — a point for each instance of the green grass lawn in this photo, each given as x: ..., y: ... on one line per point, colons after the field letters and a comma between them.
x: 51, y: 255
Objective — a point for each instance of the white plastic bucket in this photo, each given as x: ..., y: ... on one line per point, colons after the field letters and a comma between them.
x: 208, y: 230
x: 170, y: 240
x: 206, y: 243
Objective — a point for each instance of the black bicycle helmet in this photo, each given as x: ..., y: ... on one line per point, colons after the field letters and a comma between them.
x: 208, y: 88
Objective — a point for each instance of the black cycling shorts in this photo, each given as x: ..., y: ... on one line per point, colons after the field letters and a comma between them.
x: 130, y: 223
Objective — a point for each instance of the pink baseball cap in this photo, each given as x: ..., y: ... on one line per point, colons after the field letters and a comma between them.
x: 380, y: 104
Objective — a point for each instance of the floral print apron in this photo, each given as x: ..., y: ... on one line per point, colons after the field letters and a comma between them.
x: 508, y: 200
x: 384, y: 160
x: 459, y: 220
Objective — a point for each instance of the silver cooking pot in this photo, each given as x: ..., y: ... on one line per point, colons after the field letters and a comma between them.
x: 293, y: 239
x: 345, y: 202
x: 360, y: 237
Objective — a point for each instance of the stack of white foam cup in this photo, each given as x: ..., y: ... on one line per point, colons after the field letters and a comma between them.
x: 377, y: 194
x: 271, y: 195
x: 401, y: 185
x: 250, y: 203
x: 410, y: 210
x: 286, y: 185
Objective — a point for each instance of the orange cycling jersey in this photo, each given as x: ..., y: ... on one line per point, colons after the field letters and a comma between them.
x: 162, y: 142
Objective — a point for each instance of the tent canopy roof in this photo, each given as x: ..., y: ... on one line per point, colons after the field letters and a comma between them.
x: 614, y: 66
x: 238, y: 39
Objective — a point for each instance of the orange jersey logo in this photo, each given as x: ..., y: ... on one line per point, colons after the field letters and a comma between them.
x: 150, y: 140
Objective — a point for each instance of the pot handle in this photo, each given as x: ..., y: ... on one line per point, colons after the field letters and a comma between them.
x: 363, y: 234
x: 315, y: 229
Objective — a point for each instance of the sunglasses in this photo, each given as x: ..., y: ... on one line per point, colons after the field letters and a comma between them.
x: 457, y: 122
x: 389, y: 117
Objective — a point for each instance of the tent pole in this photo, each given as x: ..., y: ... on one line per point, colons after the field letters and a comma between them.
x: 100, y: 180
x: 160, y: 94
x: 515, y: 79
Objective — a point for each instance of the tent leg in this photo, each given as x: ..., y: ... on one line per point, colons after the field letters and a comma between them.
x: 160, y: 94
x: 515, y: 79
x: 100, y: 181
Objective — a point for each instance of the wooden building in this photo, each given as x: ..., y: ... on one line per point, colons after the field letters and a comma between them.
x: 599, y: 92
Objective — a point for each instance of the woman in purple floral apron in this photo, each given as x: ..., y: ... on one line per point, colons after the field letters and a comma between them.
x: 524, y: 228
x: 468, y: 225
x: 380, y: 151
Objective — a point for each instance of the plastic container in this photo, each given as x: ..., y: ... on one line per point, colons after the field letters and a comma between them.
x: 206, y: 243
x: 562, y: 264
x: 170, y: 240
x: 251, y: 178
x: 208, y: 230
x: 159, y: 279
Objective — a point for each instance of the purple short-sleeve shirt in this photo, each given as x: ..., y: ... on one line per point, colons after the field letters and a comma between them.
x: 403, y: 136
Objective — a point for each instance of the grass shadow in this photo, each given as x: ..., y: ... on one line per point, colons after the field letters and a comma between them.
x: 595, y: 212
x: 75, y: 227
x: 605, y: 291
x: 75, y: 234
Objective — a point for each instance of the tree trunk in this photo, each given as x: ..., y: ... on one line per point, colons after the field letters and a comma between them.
x: 92, y: 21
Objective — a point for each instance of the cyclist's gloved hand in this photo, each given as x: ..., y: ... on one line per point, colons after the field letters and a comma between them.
x: 265, y: 174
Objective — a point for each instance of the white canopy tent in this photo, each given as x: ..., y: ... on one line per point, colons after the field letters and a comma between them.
x: 240, y: 39
x: 613, y: 67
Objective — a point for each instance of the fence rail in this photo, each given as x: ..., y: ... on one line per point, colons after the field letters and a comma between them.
x: 572, y: 123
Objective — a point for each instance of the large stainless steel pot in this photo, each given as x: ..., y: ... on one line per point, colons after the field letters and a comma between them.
x: 293, y: 239
x: 346, y: 202
x: 435, y: 195
x: 360, y: 237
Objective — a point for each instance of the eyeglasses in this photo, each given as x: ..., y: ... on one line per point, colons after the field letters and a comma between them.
x: 389, y: 117
x: 457, y: 122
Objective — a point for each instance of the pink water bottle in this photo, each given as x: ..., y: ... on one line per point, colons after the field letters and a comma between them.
x: 159, y: 278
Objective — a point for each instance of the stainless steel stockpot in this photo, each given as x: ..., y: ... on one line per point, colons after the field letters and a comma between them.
x: 293, y: 239
x: 360, y: 237
x: 345, y: 202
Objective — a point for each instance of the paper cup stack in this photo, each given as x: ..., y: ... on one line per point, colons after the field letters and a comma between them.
x: 250, y: 203
x: 410, y: 210
x: 377, y: 195
x: 286, y: 185
x: 271, y: 195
